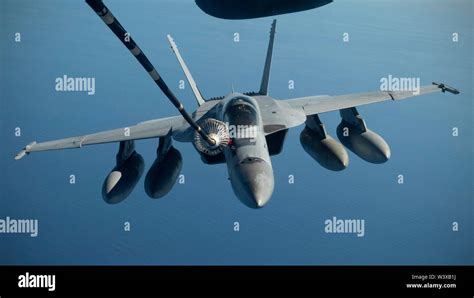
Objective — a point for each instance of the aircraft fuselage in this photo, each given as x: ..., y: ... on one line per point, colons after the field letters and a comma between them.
x: 247, y: 157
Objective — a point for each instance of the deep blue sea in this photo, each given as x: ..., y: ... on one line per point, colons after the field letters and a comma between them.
x: 410, y: 223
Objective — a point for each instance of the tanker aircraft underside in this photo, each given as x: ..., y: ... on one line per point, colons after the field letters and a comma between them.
x: 262, y: 123
x: 249, y: 9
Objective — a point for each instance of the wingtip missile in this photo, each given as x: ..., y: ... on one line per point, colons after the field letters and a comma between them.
x: 445, y: 88
x: 20, y: 154
x: 24, y: 151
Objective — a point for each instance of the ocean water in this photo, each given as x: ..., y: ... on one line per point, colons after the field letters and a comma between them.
x: 404, y: 224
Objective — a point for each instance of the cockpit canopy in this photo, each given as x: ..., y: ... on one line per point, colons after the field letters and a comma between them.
x: 241, y: 112
x: 242, y: 119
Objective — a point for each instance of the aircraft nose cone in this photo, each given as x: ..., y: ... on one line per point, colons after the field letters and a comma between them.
x: 260, y: 192
x: 253, y: 183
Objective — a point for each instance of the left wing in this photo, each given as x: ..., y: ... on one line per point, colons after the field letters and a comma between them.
x: 145, y: 130
x: 320, y: 104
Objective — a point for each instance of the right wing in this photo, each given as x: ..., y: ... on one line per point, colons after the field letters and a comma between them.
x: 144, y: 130
x: 320, y: 104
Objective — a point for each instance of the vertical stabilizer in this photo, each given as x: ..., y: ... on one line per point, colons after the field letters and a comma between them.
x: 268, y: 62
x: 187, y: 73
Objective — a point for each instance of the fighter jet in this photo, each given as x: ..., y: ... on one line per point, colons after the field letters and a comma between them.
x: 249, y: 9
x: 241, y: 130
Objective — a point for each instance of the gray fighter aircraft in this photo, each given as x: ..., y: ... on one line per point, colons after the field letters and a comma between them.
x: 263, y: 122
